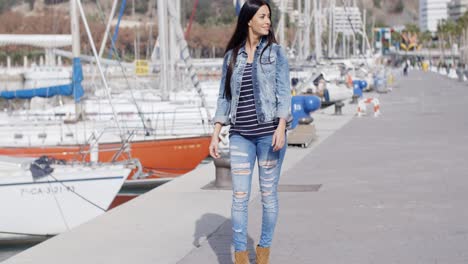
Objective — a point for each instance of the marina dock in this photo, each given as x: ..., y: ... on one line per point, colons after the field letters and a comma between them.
x: 388, y: 189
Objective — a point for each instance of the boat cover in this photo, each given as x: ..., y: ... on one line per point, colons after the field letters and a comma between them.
x: 74, y: 88
x: 41, y: 167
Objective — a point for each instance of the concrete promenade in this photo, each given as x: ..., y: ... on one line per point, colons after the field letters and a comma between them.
x: 393, y: 190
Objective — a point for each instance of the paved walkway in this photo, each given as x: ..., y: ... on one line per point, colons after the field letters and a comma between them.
x: 394, y: 190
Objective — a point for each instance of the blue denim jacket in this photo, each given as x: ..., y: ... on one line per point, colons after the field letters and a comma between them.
x: 270, y: 77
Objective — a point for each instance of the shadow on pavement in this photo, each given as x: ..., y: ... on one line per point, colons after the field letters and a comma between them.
x: 219, y: 240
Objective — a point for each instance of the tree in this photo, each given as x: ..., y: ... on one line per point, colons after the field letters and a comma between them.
x: 31, y: 4
x: 53, y: 2
x: 377, y: 3
x: 412, y: 28
x: 399, y: 7
x: 462, y: 24
x: 6, y: 5
x: 445, y: 31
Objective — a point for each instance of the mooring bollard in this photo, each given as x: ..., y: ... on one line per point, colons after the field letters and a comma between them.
x: 459, y: 73
x: 223, y: 177
x: 338, y: 106
x: 223, y: 170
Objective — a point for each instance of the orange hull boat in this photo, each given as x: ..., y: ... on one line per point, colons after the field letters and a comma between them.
x: 159, y: 158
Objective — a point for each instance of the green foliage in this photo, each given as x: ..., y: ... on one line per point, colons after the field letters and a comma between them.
x: 396, y: 36
x: 53, y: 2
x: 209, y: 12
x: 203, y: 11
x: 399, y: 7
x: 378, y: 3
x: 141, y: 6
x: 275, y: 14
x: 426, y: 36
x: 380, y: 23
x: 6, y: 4
x: 17, y: 56
x: 412, y: 28
x: 31, y: 3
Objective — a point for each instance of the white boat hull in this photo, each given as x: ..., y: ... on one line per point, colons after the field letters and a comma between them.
x: 70, y: 196
x: 47, y: 73
x: 338, y: 93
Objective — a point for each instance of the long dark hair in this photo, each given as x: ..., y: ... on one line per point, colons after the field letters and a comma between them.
x: 240, y: 35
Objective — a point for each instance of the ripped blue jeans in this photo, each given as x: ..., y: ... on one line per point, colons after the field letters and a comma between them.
x: 244, y: 152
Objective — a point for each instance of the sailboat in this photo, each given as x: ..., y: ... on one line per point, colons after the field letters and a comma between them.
x: 58, y: 135
x: 46, y: 196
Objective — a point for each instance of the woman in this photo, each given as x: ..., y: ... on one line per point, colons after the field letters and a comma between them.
x: 255, y: 99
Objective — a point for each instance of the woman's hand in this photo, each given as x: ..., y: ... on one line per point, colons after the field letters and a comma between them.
x: 214, y: 147
x: 279, y: 136
x: 215, y: 141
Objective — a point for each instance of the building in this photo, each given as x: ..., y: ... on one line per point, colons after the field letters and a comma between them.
x: 456, y: 9
x: 431, y: 12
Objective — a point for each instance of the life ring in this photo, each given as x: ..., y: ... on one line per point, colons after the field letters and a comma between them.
x: 362, y: 106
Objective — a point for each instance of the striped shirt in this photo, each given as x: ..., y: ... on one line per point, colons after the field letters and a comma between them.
x: 246, y: 118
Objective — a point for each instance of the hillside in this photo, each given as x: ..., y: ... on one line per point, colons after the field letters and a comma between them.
x: 209, y: 11
x: 213, y: 12
x: 392, y: 12
x: 389, y: 12
x: 214, y: 20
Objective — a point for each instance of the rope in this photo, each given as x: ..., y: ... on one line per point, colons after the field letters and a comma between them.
x: 354, y: 31
x: 113, y: 51
x: 77, y: 194
x: 58, y: 205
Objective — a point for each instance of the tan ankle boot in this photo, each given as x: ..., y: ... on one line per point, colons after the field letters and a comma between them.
x: 263, y: 255
x: 242, y: 257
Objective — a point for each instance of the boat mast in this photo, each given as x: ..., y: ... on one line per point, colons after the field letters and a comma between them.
x: 331, y: 9
x: 184, y: 53
x: 163, y: 48
x: 98, y: 62
x: 281, y: 23
x: 364, y: 31
x: 318, y: 30
x: 307, y: 15
x: 75, y: 29
x: 174, y: 51
x: 300, y: 28
x: 106, y: 33
x: 76, y: 49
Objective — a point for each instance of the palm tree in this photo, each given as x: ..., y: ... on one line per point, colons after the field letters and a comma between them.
x: 462, y: 24
x: 412, y: 28
x: 451, y: 29
x: 441, y: 34
x: 425, y: 38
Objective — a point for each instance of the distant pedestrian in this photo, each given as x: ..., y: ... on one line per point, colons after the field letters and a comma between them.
x: 255, y: 99
x: 405, y: 69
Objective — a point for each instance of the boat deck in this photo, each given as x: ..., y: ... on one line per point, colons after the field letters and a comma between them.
x: 391, y: 189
